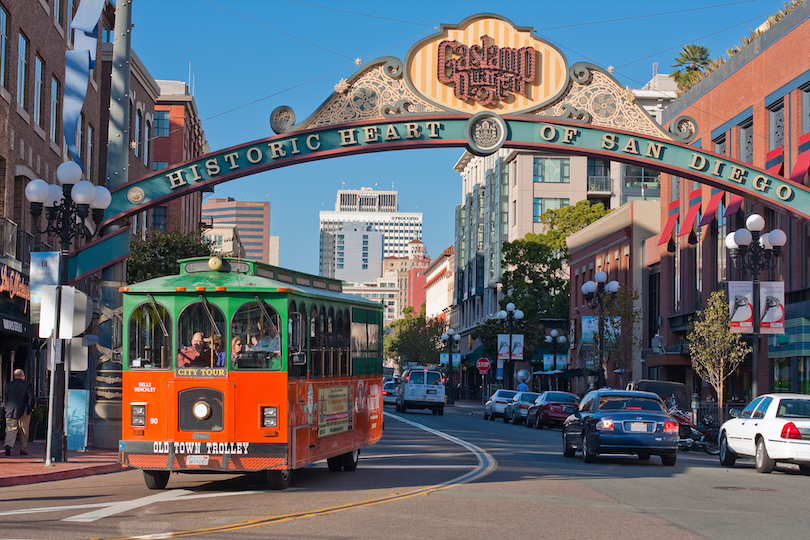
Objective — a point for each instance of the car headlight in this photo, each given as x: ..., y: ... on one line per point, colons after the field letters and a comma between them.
x: 138, y: 414
x: 201, y: 410
x: 269, y: 417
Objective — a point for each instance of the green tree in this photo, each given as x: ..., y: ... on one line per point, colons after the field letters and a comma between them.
x: 536, y: 275
x: 414, y: 339
x: 158, y: 255
x: 622, y: 321
x: 692, y: 60
x: 716, y: 352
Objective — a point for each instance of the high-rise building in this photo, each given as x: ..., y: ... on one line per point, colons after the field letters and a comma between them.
x: 225, y: 240
x: 252, y: 220
x: 379, y: 210
x: 358, y: 253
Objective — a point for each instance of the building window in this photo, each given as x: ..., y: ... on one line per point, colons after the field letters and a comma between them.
x: 747, y: 141
x: 675, y: 293
x: 57, y: 11
x: 720, y: 239
x: 69, y: 13
x: 161, y: 123
x: 89, y: 160
x: 138, y: 132
x: 551, y: 170
x: 147, y: 143
x: 39, y: 73
x: 806, y: 109
x: 3, y: 46
x: 653, y: 299
x: 54, y: 109
x: 22, y: 71
x: 720, y: 145
x: 776, y: 126
x: 543, y: 205
x: 79, y: 135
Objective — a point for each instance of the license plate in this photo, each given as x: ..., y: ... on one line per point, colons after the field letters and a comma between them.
x: 431, y: 391
x: 638, y: 426
x: 197, y: 460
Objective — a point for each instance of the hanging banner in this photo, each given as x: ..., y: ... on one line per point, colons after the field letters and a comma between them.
x: 772, y: 307
x: 590, y: 328
x: 517, y: 346
x: 504, y: 347
x: 548, y: 362
x: 44, y: 270
x: 741, y: 306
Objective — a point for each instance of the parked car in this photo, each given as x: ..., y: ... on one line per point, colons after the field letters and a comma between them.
x: 621, y: 422
x: 773, y: 428
x: 390, y: 393
x: 495, y: 404
x: 516, y: 409
x: 551, y: 409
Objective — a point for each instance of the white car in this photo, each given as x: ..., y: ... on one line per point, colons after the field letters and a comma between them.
x: 496, y: 403
x: 772, y: 428
x: 390, y: 393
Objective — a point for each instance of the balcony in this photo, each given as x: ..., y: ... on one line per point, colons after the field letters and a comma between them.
x: 600, y: 184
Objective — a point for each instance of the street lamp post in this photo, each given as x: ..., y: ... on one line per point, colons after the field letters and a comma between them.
x: 554, y: 339
x: 754, y: 251
x: 66, y: 208
x: 510, y: 318
x: 450, y: 338
x: 596, y: 292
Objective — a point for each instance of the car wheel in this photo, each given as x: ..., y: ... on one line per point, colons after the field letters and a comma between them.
x: 587, y: 454
x: 492, y: 416
x: 156, y: 479
x: 486, y: 416
x: 526, y: 422
x: 764, y: 462
x: 568, y: 450
x: 441, y: 411
x: 668, y: 461
x: 505, y: 418
x: 727, y: 455
x: 644, y: 455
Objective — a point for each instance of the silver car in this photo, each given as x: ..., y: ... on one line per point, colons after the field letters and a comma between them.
x: 495, y: 404
x: 517, y: 408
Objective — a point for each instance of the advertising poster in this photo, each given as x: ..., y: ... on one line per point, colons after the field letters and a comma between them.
x: 517, y: 346
x: 44, y: 271
x: 590, y: 327
x: 741, y: 306
x: 548, y: 362
x: 503, y: 347
x: 772, y: 307
x: 334, y: 410
x: 562, y: 361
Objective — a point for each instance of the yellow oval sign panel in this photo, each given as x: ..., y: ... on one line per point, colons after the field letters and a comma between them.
x: 486, y: 63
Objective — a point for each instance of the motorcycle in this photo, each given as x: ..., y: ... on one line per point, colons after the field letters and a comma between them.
x: 691, y: 436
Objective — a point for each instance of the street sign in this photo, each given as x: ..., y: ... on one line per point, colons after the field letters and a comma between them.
x: 482, y: 364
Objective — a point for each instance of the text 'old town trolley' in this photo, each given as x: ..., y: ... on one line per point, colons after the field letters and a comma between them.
x: 235, y: 366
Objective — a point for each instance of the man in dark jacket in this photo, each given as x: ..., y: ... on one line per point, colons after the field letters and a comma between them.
x: 18, y: 400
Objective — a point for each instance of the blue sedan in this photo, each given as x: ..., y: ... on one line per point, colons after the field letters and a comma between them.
x: 621, y: 422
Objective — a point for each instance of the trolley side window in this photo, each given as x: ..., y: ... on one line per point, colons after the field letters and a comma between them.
x: 201, y: 336
x: 366, y: 342
x: 258, y: 326
x: 150, y: 337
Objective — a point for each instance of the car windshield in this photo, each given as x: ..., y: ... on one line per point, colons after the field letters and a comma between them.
x: 629, y: 403
x: 793, y: 408
x: 561, y: 398
x: 505, y: 394
x: 528, y: 397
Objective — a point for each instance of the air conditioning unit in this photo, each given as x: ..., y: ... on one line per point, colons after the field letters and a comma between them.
x: 658, y: 344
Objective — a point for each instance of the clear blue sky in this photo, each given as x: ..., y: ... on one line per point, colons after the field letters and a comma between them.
x: 249, y: 56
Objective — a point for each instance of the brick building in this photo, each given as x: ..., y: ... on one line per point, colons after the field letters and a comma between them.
x: 754, y: 108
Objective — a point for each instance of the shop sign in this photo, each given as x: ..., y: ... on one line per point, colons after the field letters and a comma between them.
x: 14, y: 283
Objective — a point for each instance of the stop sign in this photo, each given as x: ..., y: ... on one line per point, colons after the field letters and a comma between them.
x: 482, y: 365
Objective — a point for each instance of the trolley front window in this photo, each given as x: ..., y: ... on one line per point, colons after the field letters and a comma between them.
x: 200, y: 336
x: 150, y: 339
x: 258, y: 326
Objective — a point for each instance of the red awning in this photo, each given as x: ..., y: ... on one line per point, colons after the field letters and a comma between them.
x: 671, y: 221
x: 775, y: 161
x: 695, y: 199
x: 799, y: 170
x: 711, y: 208
x: 734, y: 204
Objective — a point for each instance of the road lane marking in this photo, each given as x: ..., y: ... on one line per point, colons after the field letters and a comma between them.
x: 486, y: 464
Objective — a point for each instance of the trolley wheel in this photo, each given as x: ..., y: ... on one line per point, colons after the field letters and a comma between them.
x: 349, y: 460
x: 279, y: 480
x: 334, y: 463
x: 156, y: 479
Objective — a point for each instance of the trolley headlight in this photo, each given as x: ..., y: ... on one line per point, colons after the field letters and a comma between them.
x: 201, y: 410
x: 138, y: 414
x: 269, y: 417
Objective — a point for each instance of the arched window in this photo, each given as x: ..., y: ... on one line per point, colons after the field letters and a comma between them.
x: 314, y: 342
x: 331, y: 333
x: 200, y: 336
x: 259, y: 327
x: 150, y: 337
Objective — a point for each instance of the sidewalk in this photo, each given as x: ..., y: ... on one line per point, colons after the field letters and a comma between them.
x: 16, y: 470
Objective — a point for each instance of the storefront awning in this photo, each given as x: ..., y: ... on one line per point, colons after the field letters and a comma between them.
x: 775, y: 161
x: 695, y: 199
x: 799, y: 170
x: 711, y: 207
x: 674, y: 212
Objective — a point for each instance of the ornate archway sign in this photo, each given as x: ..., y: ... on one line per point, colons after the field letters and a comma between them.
x: 482, y: 84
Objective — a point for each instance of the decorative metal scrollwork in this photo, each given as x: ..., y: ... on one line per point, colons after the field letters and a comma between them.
x: 581, y: 72
x: 572, y: 113
x: 683, y: 129
x: 282, y: 119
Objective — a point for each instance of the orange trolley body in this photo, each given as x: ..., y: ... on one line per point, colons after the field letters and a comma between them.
x: 314, y: 393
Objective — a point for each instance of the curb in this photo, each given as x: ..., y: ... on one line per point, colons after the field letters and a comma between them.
x: 61, y: 475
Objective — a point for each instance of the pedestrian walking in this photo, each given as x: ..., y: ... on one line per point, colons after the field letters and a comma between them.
x: 18, y: 400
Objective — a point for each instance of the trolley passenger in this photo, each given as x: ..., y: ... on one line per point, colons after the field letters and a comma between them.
x: 198, y: 354
x: 236, y: 350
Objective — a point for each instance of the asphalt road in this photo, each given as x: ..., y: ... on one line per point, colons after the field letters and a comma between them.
x: 462, y: 477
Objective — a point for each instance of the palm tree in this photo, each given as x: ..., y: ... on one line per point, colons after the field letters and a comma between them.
x: 692, y: 58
